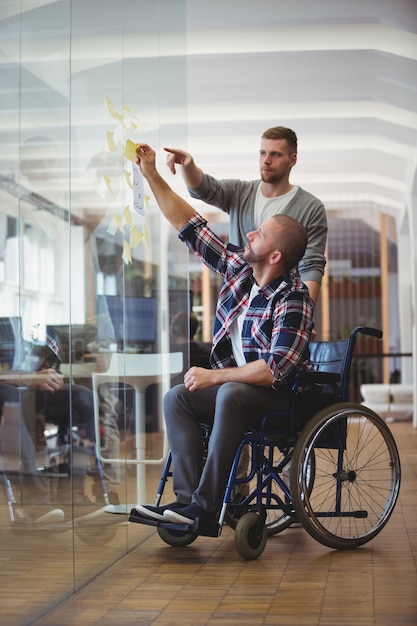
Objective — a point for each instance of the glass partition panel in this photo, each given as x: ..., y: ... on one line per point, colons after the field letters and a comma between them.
x: 91, y: 278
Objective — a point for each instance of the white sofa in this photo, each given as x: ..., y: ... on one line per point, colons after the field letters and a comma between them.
x: 391, y: 401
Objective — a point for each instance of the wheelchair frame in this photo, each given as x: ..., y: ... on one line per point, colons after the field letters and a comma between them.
x: 335, y: 469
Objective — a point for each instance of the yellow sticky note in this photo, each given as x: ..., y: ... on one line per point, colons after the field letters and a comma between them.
x: 130, y: 118
x: 135, y: 237
x: 119, y: 223
x: 128, y: 178
x: 108, y: 183
x: 127, y: 216
x: 130, y: 150
x: 127, y: 256
x: 110, y: 140
x: 110, y: 107
x: 117, y: 116
x: 112, y: 229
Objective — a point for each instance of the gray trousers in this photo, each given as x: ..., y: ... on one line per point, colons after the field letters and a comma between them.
x: 229, y: 410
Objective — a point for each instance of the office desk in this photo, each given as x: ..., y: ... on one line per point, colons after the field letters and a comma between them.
x: 78, y: 370
x: 139, y: 371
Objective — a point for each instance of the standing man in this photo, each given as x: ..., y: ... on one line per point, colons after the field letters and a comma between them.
x: 263, y: 324
x: 249, y: 203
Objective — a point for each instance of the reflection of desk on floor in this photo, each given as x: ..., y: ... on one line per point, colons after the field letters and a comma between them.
x: 139, y: 371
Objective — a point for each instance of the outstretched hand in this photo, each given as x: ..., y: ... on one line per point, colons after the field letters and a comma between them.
x: 177, y: 157
x: 145, y: 159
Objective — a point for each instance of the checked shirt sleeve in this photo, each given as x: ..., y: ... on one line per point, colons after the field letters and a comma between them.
x: 218, y: 256
x: 291, y: 330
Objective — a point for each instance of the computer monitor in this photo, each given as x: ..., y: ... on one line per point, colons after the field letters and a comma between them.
x: 71, y: 339
x: 134, y: 320
x: 12, y: 346
x: 178, y: 300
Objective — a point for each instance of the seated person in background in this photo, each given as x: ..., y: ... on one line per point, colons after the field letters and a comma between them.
x: 52, y: 401
x: 36, y: 490
x: 57, y: 413
x: 264, y: 321
x: 184, y: 326
x: 55, y: 401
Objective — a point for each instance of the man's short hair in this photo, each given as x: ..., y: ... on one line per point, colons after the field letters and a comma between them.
x: 281, y: 132
x: 291, y: 241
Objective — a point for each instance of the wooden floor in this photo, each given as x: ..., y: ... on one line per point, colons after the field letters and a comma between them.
x: 296, y: 581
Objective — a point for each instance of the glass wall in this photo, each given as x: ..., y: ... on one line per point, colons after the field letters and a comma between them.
x: 90, y: 279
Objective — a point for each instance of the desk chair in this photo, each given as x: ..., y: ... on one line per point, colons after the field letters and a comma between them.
x: 139, y: 371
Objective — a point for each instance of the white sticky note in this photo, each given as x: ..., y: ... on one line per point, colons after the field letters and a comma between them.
x: 138, y: 193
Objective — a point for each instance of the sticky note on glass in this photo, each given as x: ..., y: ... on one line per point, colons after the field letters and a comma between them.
x: 127, y: 216
x: 135, y: 237
x: 138, y: 192
x: 130, y: 150
x: 128, y: 177
x: 108, y: 183
x: 110, y: 141
x: 127, y: 254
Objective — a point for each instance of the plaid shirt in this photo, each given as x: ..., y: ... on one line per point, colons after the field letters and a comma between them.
x: 278, y: 321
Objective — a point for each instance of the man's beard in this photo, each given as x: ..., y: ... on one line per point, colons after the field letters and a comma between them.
x: 272, y: 178
x: 251, y: 258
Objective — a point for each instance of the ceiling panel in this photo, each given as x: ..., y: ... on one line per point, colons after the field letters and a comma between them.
x: 342, y: 75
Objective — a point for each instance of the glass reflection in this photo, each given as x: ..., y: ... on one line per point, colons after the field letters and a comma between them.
x: 88, y: 288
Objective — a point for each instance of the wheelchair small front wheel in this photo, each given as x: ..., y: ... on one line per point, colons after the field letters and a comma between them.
x: 176, y: 538
x: 245, y: 494
x: 250, y: 536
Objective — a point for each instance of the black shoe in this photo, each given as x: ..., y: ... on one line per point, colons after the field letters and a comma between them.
x: 157, y: 512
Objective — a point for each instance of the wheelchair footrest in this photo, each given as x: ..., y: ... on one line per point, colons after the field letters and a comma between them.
x: 204, y: 528
x: 134, y: 516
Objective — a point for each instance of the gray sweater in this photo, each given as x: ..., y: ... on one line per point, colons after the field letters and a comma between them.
x: 237, y: 198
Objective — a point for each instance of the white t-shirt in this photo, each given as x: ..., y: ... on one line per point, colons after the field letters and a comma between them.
x: 266, y: 207
x: 236, y: 329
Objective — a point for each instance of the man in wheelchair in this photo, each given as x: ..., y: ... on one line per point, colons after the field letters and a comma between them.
x: 263, y: 325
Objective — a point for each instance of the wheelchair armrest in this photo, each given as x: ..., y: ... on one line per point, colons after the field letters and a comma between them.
x: 311, y: 376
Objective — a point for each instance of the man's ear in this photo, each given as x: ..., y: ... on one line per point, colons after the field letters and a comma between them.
x: 275, y: 257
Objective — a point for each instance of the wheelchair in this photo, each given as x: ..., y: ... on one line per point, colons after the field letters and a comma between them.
x: 335, y: 468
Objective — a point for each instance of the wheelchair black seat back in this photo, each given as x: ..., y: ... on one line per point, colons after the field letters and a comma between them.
x: 328, y: 382
x: 335, y: 469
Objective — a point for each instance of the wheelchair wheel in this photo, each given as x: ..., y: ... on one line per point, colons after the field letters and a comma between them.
x: 276, y: 519
x: 250, y: 536
x: 356, y: 479
x: 176, y: 538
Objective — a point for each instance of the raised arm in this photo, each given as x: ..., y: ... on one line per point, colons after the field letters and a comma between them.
x: 175, y: 209
x: 191, y: 173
